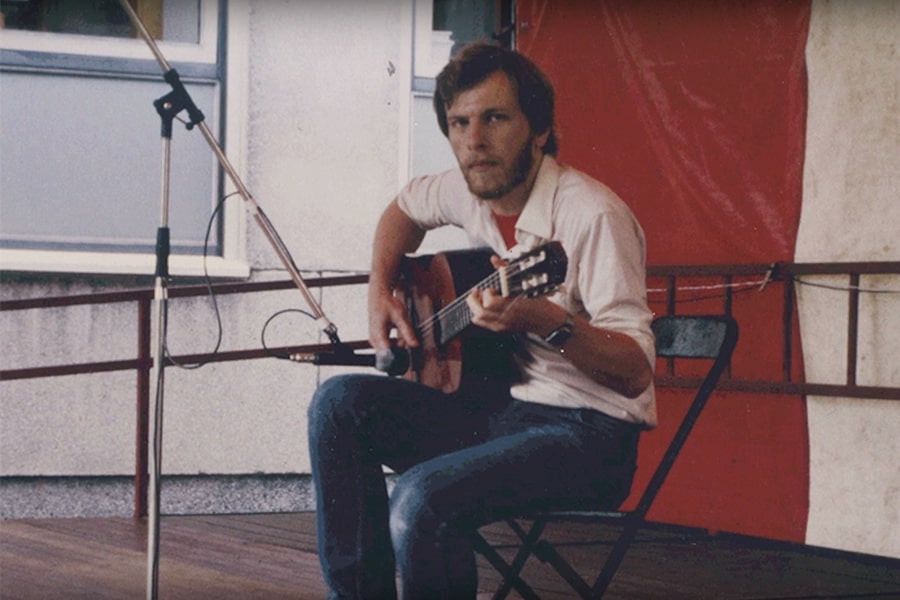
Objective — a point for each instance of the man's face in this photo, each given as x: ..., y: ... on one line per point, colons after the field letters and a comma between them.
x: 491, y: 138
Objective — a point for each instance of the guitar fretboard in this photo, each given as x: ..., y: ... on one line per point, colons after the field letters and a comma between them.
x: 450, y: 321
x: 531, y: 275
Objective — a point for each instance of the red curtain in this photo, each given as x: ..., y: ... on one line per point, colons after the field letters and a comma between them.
x: 695, y: 113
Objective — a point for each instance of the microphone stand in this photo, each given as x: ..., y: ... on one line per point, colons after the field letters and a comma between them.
x: 168, y: 107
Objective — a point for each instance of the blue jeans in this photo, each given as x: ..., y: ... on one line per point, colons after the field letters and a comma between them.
x: 464, y: 460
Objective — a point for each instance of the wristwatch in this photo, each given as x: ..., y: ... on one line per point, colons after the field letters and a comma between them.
x: 561, y: 334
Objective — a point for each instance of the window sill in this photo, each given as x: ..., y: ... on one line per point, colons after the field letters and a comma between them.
x: 94, y: 263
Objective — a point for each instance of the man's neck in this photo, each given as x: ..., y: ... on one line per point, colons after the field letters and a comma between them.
x: 514, y: 202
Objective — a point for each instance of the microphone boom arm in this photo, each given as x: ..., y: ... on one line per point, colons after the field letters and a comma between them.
x: 171, y: 76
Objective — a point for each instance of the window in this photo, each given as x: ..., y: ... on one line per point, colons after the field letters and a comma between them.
x: 179, y: 20
x: 443, y: 26
x: 440, y: 28
x: 81, y: 177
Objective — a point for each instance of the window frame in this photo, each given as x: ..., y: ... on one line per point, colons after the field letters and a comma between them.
x: 131, y: 48
x: 220, y: 22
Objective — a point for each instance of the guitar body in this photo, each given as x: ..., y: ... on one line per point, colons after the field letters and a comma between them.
x: 445, y: 360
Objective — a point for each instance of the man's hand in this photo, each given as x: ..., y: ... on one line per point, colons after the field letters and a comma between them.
x: 610, y: 358
x: 395, y: 236
x: 494, y: 312
x: 387, y: 312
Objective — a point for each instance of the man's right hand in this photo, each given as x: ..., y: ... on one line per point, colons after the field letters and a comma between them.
x: 386, y: 313
x: 395, y: 236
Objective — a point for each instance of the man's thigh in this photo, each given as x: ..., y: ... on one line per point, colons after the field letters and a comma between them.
x: 404, y: 423
x: 552, y: 465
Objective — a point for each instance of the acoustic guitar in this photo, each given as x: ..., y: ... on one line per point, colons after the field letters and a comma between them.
x: 452, y: 351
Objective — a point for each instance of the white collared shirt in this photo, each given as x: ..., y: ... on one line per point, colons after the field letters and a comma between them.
x: 605, y: 281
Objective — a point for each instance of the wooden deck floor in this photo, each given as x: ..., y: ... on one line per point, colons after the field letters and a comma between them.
x: 273, y: 556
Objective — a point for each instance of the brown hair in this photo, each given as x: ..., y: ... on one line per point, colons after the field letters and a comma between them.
x: 476, y: 62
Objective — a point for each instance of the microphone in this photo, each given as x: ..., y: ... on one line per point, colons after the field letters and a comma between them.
x: 393, y: 361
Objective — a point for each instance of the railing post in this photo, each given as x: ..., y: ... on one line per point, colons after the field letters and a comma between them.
x: 671, y: 291
x: 727, y: 303
x: 142, y: 430
x: 852, y: 328
x: 787, y: 329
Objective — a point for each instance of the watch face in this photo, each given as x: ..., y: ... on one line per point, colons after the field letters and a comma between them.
x: 561, y: 334
x: 558, y: 338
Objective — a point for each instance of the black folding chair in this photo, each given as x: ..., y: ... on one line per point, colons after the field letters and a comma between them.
x: 690, y: 337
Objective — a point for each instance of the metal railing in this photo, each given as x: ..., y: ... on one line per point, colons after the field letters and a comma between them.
x: 142, y: 364
x: 724, y: 281
x: 787, y: 276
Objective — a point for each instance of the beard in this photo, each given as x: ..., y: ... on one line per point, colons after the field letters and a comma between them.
x: 505, y: 180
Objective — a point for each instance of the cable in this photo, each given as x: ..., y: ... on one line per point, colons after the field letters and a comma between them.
x: 712, y: 286
x: 848, y: 288
x: 759, y: 285
x: 262, y: 335
x: 212, y: 296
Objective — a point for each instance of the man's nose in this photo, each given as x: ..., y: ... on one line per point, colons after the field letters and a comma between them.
x: 475, y: 135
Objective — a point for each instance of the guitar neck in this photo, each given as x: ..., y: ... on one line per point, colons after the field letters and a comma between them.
x: 450, y: 320
x: 532, y: 274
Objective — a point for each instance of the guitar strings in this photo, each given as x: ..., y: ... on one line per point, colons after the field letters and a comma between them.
x: 428, y: 327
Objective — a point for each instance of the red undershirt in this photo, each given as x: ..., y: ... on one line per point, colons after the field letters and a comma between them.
x: 507, y: 226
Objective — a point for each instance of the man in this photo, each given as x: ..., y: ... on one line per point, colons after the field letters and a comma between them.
x: 565, y: 433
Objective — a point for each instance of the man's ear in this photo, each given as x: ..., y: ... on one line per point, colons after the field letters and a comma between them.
x: 541, y: 139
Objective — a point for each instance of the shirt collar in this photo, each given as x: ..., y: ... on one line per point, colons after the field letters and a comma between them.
x: 537, y: 216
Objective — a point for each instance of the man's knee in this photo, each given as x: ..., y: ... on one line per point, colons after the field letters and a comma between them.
x: 335, y: 401
x: 410, y: 510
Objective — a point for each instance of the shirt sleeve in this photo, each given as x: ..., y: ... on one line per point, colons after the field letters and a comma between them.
x: 612, y: 278
x: 428, y: 200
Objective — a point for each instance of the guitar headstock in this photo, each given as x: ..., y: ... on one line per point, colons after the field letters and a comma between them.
x: 538, y: 272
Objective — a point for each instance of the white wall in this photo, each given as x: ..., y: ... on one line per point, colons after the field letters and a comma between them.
x: 851, y: 212
x: 327, y: 82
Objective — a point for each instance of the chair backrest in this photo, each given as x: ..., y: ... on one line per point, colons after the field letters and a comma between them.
x: 694, y: 336
x: 689, y: 336
x: 698, y: 336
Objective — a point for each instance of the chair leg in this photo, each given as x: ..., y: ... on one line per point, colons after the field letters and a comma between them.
x: 511, y: 572
x: 614, y: 559
x: 548, y: 554
x: 531, y: 543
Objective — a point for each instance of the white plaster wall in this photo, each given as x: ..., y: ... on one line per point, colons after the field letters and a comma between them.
x: 327, y: 84
x: 73, y: 424
x: 851, y: 212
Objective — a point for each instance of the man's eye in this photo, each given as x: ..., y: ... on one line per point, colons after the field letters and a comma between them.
x: 457, y: 123
x: 497, y: 117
